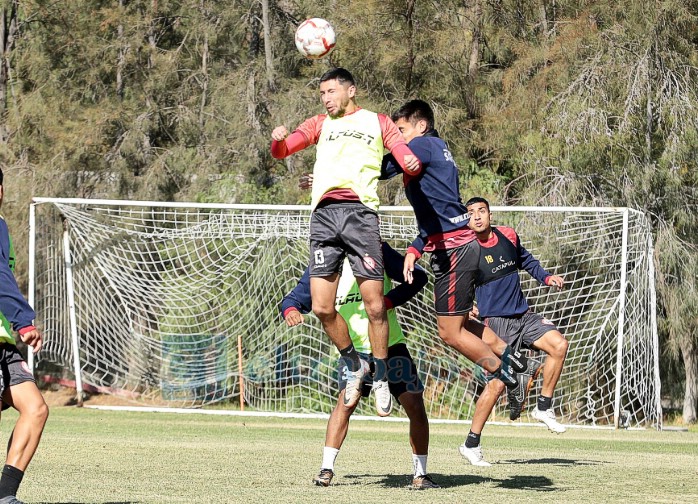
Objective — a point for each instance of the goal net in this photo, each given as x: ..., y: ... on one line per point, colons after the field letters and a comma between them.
x: 179, y: 304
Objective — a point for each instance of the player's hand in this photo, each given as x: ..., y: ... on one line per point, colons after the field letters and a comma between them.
x: 408, y: 267
x: 293, y: 318
x: 279, y: 133
x: 555, y: 281
x: 34, y: 339
x: 474, y: 313
x: 306, y: 181
x: 412, y: 163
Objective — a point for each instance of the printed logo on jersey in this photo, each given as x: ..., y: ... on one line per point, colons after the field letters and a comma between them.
x: 351, y: 298
x: 489, y: 259
x: 365, y: 137
x: 546, y: 321
x: 460, y: 218
x: 502, y: 266
x: 369, y: 262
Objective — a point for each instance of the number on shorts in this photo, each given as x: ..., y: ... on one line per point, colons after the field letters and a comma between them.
x: 319, y: 257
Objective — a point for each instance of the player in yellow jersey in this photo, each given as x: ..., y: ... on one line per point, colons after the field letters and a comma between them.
x: 17, y: 386
x: 344, y: 223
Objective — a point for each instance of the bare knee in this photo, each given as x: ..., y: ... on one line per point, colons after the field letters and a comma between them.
x: 560, y: 348
x: 36, y: 413
x: 324, y: 313
x: 375, y: 310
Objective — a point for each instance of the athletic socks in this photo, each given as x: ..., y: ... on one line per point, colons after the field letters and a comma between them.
x: 544, y: 403
x: 380, y: 371
x: 472, y: 440
x: 10, y: 480
x: 350, y: 357
x: 420, y: 465
x: 329, y: 455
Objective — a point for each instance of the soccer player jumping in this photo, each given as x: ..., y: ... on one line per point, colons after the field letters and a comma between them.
x: 344, y: 222
x: 17, y: 386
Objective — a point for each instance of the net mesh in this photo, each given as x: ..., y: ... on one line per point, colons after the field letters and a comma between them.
x: 164, y: 294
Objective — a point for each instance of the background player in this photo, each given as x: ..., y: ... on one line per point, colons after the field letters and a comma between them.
x: 17, y: 386
x: 350, y: 146
x: 404, y: 382
x: 503, y: 307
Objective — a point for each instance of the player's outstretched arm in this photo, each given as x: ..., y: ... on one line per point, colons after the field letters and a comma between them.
x: 297, y: 302
x: 404, y: 291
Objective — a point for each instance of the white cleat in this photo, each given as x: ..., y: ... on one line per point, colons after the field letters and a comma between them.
x: 384, y: 399
x: 473, y: 455
x: 548, y: 418
x: 352, y: 392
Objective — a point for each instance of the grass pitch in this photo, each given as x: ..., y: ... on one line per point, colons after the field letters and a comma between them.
x: 92, y: 456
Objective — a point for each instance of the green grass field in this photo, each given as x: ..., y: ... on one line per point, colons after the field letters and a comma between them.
x: 92, y: 456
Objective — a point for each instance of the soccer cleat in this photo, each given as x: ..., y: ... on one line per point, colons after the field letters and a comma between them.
x: 10, y: 499
x: 473, y: 455
x: 352, y: 392
x: 324, y: 478
x: 384, y: 399
x: 514, y: 358
x: 423, y: 482
x: 548, y: 418
x: 517, y: 396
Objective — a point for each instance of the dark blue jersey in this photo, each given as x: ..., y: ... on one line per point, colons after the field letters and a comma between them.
x: 12, y: 304
x: 434, y: 194
x: 299, y: 298
x: 498, y: 288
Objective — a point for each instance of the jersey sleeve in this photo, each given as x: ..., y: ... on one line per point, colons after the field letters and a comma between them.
x: 526, y: 260
x: 394, y: 142
x: 12, y: 304
x: 305, y: 135
x: 299, y: 298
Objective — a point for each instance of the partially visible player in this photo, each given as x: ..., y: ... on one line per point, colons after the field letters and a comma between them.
x: 404, y: 382
x: 442, y: 220
x: 502, y: 306
x: 344, y: 222
x: 17, y: 386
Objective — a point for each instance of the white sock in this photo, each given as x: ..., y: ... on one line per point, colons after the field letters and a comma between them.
x: 329, y: 454
x: 420, y: 465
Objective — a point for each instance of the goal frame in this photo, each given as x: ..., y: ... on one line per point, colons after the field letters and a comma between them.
x: 626, y: 212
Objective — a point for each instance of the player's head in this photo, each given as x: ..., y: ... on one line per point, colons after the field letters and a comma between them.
x: 337, y: 92
x: 414, y: 119
x: 480, y: 215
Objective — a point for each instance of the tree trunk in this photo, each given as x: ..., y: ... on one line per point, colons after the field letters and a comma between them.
x: 268, y: 58
x: 121, y: 59
x: 8, y: 31
x: 151, y: 32
x: 410, y: 48
x: 204, y: 74
x: 473, y: 63
x: 690, y: 400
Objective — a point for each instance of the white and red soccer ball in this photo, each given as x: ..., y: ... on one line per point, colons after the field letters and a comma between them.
x: 315, y: 38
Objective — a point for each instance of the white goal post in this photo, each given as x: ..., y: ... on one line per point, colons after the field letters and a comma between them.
x: 151, y: 299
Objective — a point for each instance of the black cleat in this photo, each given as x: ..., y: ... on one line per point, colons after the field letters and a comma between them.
x: 517, y: 397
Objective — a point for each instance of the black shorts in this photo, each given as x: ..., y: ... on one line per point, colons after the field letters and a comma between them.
x: 520, y: 331
x: 14, y: 369
x: 345, y: 229
x: 455, y: 271
x: 402, y: 373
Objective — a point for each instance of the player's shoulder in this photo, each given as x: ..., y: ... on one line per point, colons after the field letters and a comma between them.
x: 509, y: 233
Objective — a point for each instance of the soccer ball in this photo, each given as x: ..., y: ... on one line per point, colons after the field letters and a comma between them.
x: 315, y: 38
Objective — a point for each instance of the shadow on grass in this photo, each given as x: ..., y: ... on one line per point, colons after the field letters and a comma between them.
x: 553, y: 461
x: 534, y: 483
x: 106, y: 502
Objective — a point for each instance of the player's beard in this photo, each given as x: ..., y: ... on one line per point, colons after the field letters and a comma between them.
x: 341, y: 108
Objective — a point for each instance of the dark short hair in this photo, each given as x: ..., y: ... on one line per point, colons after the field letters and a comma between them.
x: 341, y: 75
x: 477, y: 199
x: 415, y: 110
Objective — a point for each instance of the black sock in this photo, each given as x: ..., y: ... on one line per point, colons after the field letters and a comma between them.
x: 351, y: 358
x: 381, y: 369
x: 10, y: 480
x: 472, y: 440
x: 544, y: 403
